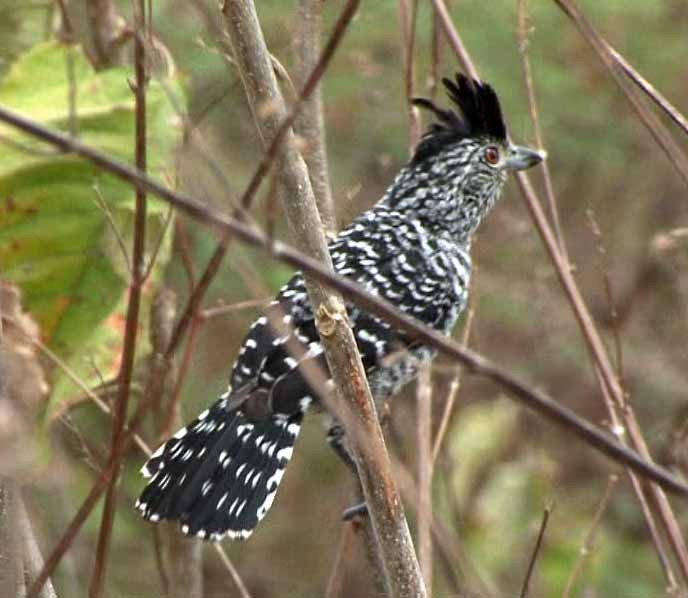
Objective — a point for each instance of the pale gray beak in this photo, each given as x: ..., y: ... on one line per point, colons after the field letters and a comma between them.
x: 521, y: 158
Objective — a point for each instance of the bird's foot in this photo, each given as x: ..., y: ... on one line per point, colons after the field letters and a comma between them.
x: 361, y: 509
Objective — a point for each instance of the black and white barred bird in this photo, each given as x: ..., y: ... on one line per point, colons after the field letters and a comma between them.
x: 219, y: 475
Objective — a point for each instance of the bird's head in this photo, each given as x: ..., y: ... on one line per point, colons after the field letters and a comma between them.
x: 461, y: 163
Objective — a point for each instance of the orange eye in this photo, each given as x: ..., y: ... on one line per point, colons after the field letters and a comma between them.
x: 492, y: 155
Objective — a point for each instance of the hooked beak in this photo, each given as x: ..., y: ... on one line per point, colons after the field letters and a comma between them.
x: 521, y: 158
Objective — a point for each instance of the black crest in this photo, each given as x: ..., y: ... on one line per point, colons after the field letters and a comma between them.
x: 478, y: 115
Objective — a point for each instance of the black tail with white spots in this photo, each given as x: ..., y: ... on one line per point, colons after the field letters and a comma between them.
x: 219, y: 475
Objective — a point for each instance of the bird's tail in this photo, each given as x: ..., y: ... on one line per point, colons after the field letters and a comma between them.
x: 219, y: 475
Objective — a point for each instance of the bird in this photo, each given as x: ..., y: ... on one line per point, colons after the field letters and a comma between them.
x: 219, y: 475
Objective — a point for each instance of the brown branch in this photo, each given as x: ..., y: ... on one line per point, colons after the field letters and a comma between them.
x: 310, y: 122
x: 522, y: 31
x: 425, y: 474
x: 355, y: 407
x: 532, y: 398
x: 107, y: 31
x: 336, y: 580
x: 454, y: 39
x: 536, y: 551
x: 648, y: 89
x: 435, y: 56
x: 221, y: 310
x: 408, y: 12
x: 653, y: 124
x: 453, y: 392
x: 236, y: 578
x: 589, y: 541
x: 132, y: 319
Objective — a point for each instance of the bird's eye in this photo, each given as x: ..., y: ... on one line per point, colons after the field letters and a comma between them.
x: 492, y: 155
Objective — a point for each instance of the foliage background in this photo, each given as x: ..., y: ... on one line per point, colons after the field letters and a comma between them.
x: 501, y: 466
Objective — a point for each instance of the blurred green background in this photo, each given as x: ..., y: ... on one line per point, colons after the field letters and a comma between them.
x: 500, y: 466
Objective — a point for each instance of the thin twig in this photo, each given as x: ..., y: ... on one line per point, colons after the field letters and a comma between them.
x: 102, y: 405
x: 236, y: 578
x: 171, y: 416
x: 425, y: 474
x: 408, y: 12
x: 89, y: 503
x: 435, y: 56
x: 182, y: 240
x: 179, y: 559
x: 652, y: 123
x: 222, y: 310
x: 99, y: 200
x: 310, y: 122
x: 132, y: 320
x: 536, y: 551
x: 476, y: 364
x: 649, y: 89
x: 158, y: 244
x: 453, y: 392
x: 522, y: 30
x: 447, y: 545
x: 611, y: 301
x: 454, y: 39
x: 588, y: 542
x: 336, y: 580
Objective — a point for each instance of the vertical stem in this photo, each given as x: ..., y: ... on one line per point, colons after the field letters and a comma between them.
x: 425, y: 465
x: 408, y: 10
x: 132, y: 320
x: 522, y: 30
x: 310, y: 122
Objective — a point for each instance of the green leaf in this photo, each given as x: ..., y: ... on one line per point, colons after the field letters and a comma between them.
x: 57, y: 242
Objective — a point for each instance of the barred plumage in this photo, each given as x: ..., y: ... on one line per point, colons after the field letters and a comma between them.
x: 219, y: 475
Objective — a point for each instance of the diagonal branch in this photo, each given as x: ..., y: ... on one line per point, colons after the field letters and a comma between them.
x: 616, y: 69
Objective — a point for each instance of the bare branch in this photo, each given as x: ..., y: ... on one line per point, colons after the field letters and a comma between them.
x: 454, y: 39
x: 336, y: 581
x: 536, y: 551
x: 653, y: 124
x: 532, y: 105
x: 425, y: 473
x: 408, y: 12
x: 310, y: 122
x: 453, y: 391
x: 589, y: 541
x: 107, y: 31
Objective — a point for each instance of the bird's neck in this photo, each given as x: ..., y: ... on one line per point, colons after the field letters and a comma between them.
x: 444, y: 197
